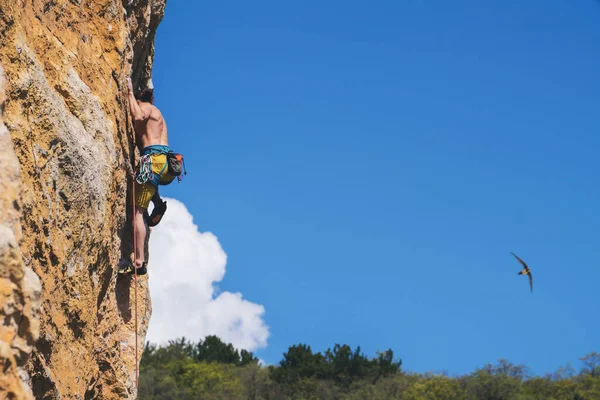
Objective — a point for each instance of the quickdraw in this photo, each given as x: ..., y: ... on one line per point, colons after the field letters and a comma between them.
x: 145, y: 174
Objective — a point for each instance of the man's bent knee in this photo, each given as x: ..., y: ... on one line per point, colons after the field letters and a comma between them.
x: 143, y: 194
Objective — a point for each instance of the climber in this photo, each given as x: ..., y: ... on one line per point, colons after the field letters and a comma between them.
x: 158, y: 166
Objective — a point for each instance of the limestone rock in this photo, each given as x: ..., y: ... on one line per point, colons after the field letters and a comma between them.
x: 64, y: 196
x: 19, y: 286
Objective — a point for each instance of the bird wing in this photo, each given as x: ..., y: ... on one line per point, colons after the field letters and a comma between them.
x: 521, y: 261
x: 530, y: 281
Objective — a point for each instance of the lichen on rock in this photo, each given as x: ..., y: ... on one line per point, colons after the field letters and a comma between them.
x: 64, y: 195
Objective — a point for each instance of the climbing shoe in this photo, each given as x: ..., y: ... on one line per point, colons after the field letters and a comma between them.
x: 143, y: 269
x: 127, y: 268
x: 160, y: 207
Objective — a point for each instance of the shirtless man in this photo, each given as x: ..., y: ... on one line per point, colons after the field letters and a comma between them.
x: 152, y: 140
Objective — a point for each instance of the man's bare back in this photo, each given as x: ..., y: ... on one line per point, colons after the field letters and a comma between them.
x: 150, y: 126
x: 153, y: 130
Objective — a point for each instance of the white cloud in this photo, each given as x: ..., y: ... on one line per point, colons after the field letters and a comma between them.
x: 183, y: 268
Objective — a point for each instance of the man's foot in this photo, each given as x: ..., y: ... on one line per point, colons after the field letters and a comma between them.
x: 160, y: 207
x: 124, y: 266
x: 143, y: 269
x: 127, y: 268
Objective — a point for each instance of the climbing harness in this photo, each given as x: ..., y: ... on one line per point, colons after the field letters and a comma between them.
x: 174, y: 166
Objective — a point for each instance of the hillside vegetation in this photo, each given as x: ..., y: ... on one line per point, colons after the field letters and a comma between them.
x: 212, y: 369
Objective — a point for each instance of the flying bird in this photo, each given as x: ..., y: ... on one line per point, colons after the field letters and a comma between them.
x: 525, y: 271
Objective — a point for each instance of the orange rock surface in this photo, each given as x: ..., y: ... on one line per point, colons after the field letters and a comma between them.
x: 63, y: 196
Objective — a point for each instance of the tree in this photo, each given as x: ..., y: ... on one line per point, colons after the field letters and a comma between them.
x: 212, y: 369
x: 496, y: 382
x: 214, y: 349
x: 435, y: 388
x: 204, y: 380
x: 591, y: 364
x: 541, y: 389
x: 298, y: 362
x: 386, y: 364
x: 257, y: 383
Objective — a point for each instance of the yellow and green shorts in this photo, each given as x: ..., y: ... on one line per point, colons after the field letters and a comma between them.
x: 145, y: 192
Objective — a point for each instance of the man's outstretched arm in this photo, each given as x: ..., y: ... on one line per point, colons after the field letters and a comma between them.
x: 136, y: 111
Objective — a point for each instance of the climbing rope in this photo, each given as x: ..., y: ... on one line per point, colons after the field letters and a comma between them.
x: 135, y: 178
x: 135, y: 281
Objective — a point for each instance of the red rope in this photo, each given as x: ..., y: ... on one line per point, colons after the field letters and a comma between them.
x: 134, y: 253
x: 134, y: 245
x: 135, y: 281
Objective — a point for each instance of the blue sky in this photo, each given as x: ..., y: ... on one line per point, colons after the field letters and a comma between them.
x: 369, y: 166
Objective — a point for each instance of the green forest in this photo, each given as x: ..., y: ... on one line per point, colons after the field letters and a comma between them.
x: 212, y: 369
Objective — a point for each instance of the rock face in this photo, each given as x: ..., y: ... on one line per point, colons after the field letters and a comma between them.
x: 19, y: 285
x: 64, y: 196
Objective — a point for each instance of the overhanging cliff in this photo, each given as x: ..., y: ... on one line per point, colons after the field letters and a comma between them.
x: 64, y: 195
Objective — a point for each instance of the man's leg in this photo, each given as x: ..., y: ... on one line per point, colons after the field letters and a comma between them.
x: 156, y: 198
x: 143, y: 194
x: 160, y: 207
x: 140, y: 236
